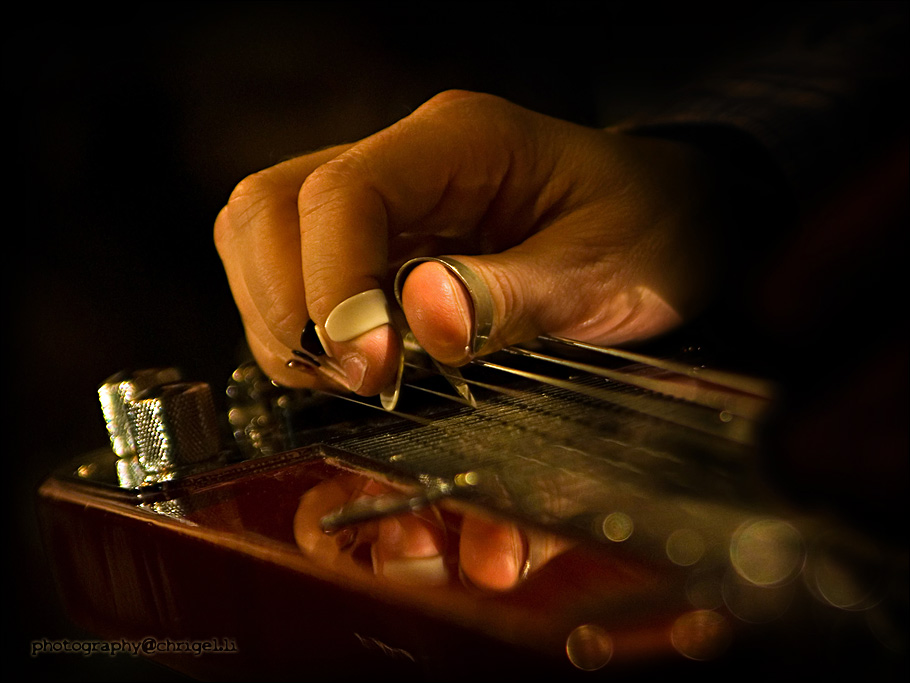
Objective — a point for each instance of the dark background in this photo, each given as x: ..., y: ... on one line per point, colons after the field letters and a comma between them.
x: 128, y: 134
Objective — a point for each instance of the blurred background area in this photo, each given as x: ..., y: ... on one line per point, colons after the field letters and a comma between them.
x: 129, y: 133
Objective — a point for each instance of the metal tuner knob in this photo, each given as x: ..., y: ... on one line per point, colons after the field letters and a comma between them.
x: 158, y: 423
x: 117, y: 394
x: 174, y: 425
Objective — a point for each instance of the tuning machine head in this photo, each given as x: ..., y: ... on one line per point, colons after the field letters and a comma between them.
x: 158, y: 423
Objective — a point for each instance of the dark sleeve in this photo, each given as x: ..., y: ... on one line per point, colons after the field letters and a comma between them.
x: 800, y: 118
x: 811, y: 139
x: 803, y: 126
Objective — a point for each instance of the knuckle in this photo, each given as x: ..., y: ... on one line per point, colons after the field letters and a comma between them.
x: 349, y: 167
x: 452, y: 95
x: 247, y: 200
x: 250, y: 194
x: 286, y: 324
x: 489, y: 122
x: 462, y: 98
x: 328, y: 177
x: 332, y: 183
x: 222, y: 232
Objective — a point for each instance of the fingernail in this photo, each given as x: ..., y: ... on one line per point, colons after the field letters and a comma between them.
x: 323, y: 341
x: 426, y: 571
x: 408, y: 551
x: 358, y: 314
x: 457, y: 299
x: 519, y: 554
x: 480, y: 317
x: 310, y: 344
x: 304, y: 365
x: 304, y: 358
x: 497, y: 567
x: 345, y: 538
x: 355, y: 369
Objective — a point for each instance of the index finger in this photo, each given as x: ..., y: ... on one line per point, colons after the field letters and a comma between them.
x: 435, y: 173
x: 258, y: 239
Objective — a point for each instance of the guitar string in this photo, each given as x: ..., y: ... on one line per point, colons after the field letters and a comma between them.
x: 458, y: 439
x: 738, y: 404
x: 742, y: 383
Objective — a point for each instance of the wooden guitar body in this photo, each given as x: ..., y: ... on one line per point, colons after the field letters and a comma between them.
x: 221, y: 570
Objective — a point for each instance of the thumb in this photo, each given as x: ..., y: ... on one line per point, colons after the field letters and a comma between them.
x: 464, y: 306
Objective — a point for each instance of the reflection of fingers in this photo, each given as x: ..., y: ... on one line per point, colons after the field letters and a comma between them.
x: 346, y: 550
x: 313, y: 505
x: 497, y: 555
x: 410, y: 549
x: 492, y: 554
x: 542, y: 547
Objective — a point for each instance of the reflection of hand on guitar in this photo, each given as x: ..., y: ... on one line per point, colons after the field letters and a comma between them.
x: 430, y: 547
x: 410, y: 546
x: 497, y: 555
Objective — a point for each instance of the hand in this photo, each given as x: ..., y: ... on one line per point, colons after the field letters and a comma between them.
x: 437, y: 546
x: 577, y: 232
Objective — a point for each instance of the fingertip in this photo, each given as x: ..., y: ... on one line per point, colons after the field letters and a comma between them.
x: 440, y: 312
x: 281, y: 366
x: 359, y: 343
x: 491, y: 553
x: 370, y: 362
